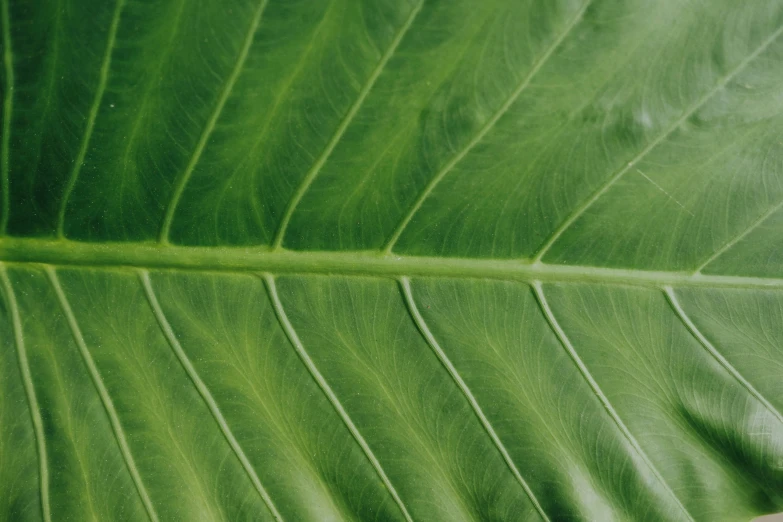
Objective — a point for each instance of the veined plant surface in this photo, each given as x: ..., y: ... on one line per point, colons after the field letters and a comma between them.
x: 391, y: 260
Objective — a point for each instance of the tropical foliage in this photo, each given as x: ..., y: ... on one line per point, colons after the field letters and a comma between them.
x: 391, y: 260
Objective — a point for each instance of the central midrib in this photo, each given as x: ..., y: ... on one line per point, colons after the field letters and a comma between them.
x: 263, y: 259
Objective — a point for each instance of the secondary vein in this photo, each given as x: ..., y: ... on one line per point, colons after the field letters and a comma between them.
x: 206, y: 395
x: 671, y: 297
x: 421, y: 324
x: 184, y: 177
x: 387, y: 248
x: 603, y: 399
x: 140, y: 112
x: 277, y: 104
x: 103, y: 392
x: 338, y: 134
x: 290, y: 332
x: 93, y: 114
x: 581, y: 209
x: 753, y: 226
x: 29, y: 388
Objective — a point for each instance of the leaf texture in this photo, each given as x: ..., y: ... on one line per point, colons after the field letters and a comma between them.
x: 391, y: 260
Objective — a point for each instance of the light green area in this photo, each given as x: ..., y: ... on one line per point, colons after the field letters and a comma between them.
x: 88, y: 479
x: 19, y: 464
x: 379, y: 260
x: 667, y: 388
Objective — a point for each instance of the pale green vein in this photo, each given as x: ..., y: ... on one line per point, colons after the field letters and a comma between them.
x: 596, y: 195
x: 561, y: 335
x: 321, y: 381
x: 338, y: 134
x: 424, y: 194
x: 665, y: 192
x: 369, y: 263
x: 675, y: 304
x: 277, y: 104
x: 425, y: 331
x: 32, y: 401
x: 184, y: 177
x: 108, y: 404
x: 753, y: 226
x: 171, y: 337
x: 163, y: 53
x: 8, y: 106
x: 93, y: 114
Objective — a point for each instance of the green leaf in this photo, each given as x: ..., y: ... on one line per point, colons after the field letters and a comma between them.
x: 391, y: 260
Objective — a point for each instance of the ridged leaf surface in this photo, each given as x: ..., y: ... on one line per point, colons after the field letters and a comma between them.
x: 391, y: 260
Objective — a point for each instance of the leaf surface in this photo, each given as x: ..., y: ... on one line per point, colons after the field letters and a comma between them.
x: 391, y: 260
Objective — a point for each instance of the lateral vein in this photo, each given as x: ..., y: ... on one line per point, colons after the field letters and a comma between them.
x: 155, y: 72
x: 93, y: 114
x: 561, y: 335
x: 421, y: 324
x: 753, y: 226
x: 29, y: 388
x: 671, y: 296
x: 596, y: 195
x: 387, y: 248
x: 184, y: 177
x: 276, y: 106
x: 338, y: 134
x: 103, y: 392
x: 327, y: 390
x: 202, y: 389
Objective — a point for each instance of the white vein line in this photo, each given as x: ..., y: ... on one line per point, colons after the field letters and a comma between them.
x: 753, y: 226
x: 338, y: 134
x: 561, y: 335
x: 32, y: 401
x: 171, y: 337
x: 675, y: 304
x: 8, y: 107
x: 93, y: 114
x: 648, y: 178
x: 425, y: 331
x: 424, y: 194
x: 184, y: 177
x: 103, y: 392
x: 654, y: 143
x: 319, y: 378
